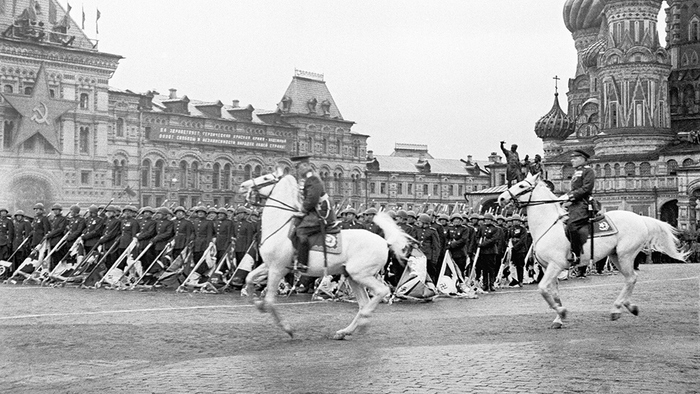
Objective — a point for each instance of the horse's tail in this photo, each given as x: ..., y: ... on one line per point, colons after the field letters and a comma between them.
x: 394, y: 236
x: 662, y: 238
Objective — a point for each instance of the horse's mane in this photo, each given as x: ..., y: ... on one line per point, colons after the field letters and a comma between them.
x: 292, y: 181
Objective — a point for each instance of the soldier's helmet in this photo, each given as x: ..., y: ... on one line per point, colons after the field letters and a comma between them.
x: 411, y: 214
x: 222, y: 210
x: 4, y: 209
x: 443, y: 216
x: 455, y: 216
x: 19, y: 212
x: 93, y: 208
x: 401, y: 213
x: 424, y: 218
x: 371, y: 211
x: 163, y: 211
x: 516, y: 217
x: 39, y: 206
x: 147, y: 209
x: 180, y: 208
x: 488, y: 216
x: 430, y: 212
x: 56, y: 206
x: 200, y: 208
x: 241, y: 210
x: 351, y: 210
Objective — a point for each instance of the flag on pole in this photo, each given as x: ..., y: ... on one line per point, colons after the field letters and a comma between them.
x: 97, y: 27
x: 83, y: 25
x: 128, y: 190
x: 68, y: 8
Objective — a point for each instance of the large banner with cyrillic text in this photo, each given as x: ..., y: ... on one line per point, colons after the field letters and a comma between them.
x: 221, y: 138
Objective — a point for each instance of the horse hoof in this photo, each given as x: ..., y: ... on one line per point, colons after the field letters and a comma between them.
x: 634, y: 309
x: 556, y: 325
x: 562, y: 312
x: 260, y: 305
x: 614, y: 316
x: 339, y: 336
x: 288, y: 329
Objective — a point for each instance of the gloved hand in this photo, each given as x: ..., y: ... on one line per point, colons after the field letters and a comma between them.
x: 564, y: 198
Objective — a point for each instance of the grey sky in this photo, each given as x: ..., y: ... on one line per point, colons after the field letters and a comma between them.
x: 458, y: 76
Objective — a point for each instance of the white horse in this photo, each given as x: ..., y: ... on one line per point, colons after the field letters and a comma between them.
x: 363, y: 253
x: 551, y: 248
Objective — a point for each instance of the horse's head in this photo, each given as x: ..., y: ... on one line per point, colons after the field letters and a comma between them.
x: 262, y: 185
x: 520, y: 192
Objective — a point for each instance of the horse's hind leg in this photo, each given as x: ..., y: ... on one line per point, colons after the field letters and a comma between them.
x: 626, y: 266
x: 547, y: 287
x: 362, y: 301
x: 274, y: 276
x: 379, y: 291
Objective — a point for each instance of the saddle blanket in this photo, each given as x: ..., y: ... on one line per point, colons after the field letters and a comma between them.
x: 603, y: 226
x: 333, y: 244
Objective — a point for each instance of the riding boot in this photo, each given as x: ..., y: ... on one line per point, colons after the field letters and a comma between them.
x: 302, y: 256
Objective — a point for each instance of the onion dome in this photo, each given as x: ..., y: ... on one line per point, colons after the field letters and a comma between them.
x: 556, y: 124
x: 583, y: 14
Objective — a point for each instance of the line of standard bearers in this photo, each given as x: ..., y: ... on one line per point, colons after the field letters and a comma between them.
x: 236, y: 230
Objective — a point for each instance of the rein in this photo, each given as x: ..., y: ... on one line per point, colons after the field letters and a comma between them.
x: 283, y: 205
x: 529, y: 202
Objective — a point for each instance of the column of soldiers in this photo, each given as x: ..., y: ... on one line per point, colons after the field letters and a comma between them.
x: 112, y: 229
x: 460, y: 234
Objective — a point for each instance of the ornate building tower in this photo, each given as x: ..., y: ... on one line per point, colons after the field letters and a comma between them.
x: 633, y: 77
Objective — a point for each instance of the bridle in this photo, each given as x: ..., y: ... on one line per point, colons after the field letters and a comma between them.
x: 520, y: 204
x: 254, y: 197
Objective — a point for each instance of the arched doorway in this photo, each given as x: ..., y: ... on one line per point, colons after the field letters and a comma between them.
x: 28, y: 190
x: 669, y: 213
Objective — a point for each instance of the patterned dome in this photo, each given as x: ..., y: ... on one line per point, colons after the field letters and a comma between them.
x: 556, y: 124
x: 583, y: 14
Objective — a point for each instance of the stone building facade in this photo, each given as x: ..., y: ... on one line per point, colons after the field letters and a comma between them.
x: 68, y: 137
x: 624, y: 108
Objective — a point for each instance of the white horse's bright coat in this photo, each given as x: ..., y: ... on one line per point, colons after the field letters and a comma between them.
x: 551, y: 247
x: 363, y: 253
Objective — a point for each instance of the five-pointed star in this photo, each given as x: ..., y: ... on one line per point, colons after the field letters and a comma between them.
x: 39, y: 112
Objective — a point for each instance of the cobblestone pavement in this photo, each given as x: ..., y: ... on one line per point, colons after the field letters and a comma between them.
x: 74, y: 341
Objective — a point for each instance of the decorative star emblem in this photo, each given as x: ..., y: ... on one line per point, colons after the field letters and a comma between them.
x: 39, y: 112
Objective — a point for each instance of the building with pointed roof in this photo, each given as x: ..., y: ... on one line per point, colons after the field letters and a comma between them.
x: 634, y: 104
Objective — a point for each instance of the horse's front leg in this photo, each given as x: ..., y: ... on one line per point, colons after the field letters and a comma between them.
x: 274, y: 277
x: 547, y: 287
x: 362, y: 300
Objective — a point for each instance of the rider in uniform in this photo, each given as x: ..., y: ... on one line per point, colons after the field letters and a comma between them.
x: 315, y: 210
x: 582, y: 184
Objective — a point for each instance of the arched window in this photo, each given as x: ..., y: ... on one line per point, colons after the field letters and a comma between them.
x: 310, y: 145
x: 325, y: 146
x: 671, y: 167
x: 159, y: 173
x: 617, y: 169
x: 248, y: 172
x: 120, y: 127
x: 216, y: 176
x: 598, y: 170
x: 84, y: 99
x: 7, y: 134
x: 258, y: 171
x: 608, y: 170
x: 7, y: 89
x: 146, y: 173
x: 339, y: 143
x: 84, y: 142
x: 28, y: 90
x: 630, y: 169
x: 645, y: 169
x: 184, y: 172
x: 567, y: 171
x: 194, y: 177
x: 118, y: 172
x: 226, y: 177
x: 687, y: 162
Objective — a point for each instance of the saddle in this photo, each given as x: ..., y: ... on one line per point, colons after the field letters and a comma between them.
x: 332, y: 239
x: 603, y: 226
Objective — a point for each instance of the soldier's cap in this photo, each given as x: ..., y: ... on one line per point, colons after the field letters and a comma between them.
x: 581, y: 153
x: 370, y: 211
x: 39, y: 206
x: 200, y: 208
x: 401, y: 213
x: 163, y: 211
x: 4, y: 209
x: 488, y: 216
x: 93, y: 208
x: 147, y: 209
x: 19, y: 212
x: 351, y: 210
x: 112, y: 208
x: 130, y: 208
x: 75, y: 208
x: 180, y: 208
x: 222, y: 210
x: 443, y: 216
x: 455, y: 216
x: 241, y: 210
x: 411, y: 214
x: 300, y: 159
x: 424, y: 218
x: 56, y: 206
x: 212, y: 210
x: 516, y: 217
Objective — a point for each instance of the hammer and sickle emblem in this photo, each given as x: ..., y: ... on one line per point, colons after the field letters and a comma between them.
x: 42, y: 116
x: 603, y: 226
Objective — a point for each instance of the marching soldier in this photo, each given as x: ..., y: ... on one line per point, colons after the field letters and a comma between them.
x: 243, y: 233
x: 224, y: 234
x: 184, y: 232
x: 487, y: 264
x: 411, y: 219
x: 369, y: 222
x: 349, y: 220
x: 457, y: 239
x: 129, y: 230
x: 58, y: 230
x: 94, y: 228
x: 75, y: 228
x: 165, y: 231
x: 429, y: 244
x: 442, y: 229
x: 203, y: 234
x: 40, y: 226
x: 7, y: 234
x: 23, y: 230
x: 147, y: 230
x: 518, y: 234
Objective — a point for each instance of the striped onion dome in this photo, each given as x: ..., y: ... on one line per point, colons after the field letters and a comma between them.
x: 556, y: 124
x: 583, y: 14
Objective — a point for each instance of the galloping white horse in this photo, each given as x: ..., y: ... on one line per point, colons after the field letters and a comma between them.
x: 363, y: 253
x: 551, y: 248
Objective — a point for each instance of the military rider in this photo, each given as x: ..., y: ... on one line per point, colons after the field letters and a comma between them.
x: 316, y: 210
x: 582, y: 184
